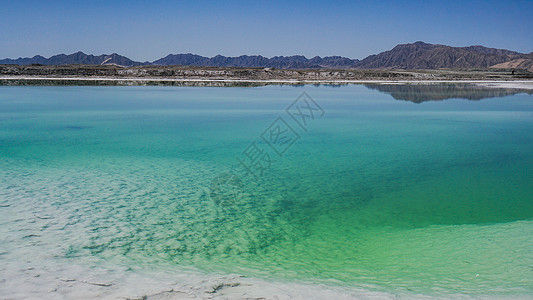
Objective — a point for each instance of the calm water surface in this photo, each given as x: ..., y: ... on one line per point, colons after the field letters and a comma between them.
x: 434, y: 197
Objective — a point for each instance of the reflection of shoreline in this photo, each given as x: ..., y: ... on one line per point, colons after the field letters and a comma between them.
x: 147, y: 81
x: 419, y: 93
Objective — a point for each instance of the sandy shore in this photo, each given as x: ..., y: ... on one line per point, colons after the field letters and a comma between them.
x: 48, y: 280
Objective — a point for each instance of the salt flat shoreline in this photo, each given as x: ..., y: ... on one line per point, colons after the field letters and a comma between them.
x: 85, y: 282
x: 202, y: 74
x: 33, y: 80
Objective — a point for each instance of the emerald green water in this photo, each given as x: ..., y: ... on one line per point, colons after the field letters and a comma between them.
x: 432, y: 198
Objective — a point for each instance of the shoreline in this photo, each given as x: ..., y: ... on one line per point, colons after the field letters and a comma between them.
x: 171, y: 74
x: 93, y: 280
x: 31, y: 80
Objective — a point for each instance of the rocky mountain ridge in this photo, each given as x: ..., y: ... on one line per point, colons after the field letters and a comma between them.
x: 418, y: 55
x: 421, y: 55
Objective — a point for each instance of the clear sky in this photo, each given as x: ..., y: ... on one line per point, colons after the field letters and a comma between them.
x: 148, y: 30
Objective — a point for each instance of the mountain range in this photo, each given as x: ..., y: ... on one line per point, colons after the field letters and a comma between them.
x: 417, y: 55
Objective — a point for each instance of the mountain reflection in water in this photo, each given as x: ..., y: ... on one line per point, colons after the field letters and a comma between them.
x: 419, y: 93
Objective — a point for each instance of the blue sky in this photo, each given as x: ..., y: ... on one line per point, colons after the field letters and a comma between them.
x: 148, y: 30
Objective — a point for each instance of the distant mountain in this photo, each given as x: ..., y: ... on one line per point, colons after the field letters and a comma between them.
x: 421, y: 55
x: 258, y: 61
x: 334, y: 62
x: 78, y: 58
x: 417, y: 55
x: 182, y: 60
x: 255, y: 61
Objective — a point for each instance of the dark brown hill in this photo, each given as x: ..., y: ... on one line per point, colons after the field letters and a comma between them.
x: 421, y: 55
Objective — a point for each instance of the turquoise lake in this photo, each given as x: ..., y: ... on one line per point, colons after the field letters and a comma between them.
x: 340, y: 185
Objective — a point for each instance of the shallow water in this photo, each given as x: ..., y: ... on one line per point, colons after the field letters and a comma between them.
x: 432, y: 198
